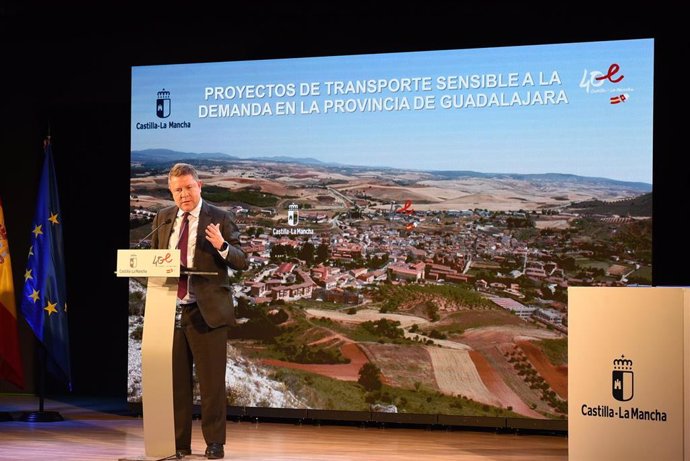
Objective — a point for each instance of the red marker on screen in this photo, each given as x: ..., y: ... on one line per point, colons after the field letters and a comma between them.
x: 407, y: 208
x: 619, y: 99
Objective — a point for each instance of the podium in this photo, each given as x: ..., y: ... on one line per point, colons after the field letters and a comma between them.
x: 162, y: 269
x: 628, y: 373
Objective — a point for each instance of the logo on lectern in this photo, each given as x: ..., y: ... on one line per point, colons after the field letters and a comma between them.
x: 163, y: 104
x: 622, y: 379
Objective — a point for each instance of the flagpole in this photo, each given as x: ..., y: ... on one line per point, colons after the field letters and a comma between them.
x: 41, y: 416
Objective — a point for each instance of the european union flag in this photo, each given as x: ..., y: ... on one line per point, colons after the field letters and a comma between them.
x: 44, y: 301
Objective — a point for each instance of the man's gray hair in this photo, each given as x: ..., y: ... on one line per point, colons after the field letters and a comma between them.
x: 182, y: 169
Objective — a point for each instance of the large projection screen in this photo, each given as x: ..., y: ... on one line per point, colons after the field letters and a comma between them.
x: 413, y: 220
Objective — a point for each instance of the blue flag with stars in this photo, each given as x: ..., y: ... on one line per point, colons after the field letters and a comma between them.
x: 43, y: 301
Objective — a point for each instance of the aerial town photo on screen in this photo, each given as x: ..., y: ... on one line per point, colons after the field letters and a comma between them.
x: 397, y: 290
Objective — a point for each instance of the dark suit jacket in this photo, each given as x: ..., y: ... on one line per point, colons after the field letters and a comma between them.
x: 213, y: 292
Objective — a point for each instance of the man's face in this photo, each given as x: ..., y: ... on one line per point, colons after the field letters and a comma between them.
x: 185, y: 191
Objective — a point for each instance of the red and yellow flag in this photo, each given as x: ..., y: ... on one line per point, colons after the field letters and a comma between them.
x: 10, y: 357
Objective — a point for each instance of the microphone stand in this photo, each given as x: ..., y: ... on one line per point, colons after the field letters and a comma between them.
x: 141, y: 242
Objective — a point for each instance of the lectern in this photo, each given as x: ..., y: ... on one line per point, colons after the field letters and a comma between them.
x: 162, y: 269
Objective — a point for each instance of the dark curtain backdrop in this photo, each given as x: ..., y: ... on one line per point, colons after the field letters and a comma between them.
x: 66, y: 72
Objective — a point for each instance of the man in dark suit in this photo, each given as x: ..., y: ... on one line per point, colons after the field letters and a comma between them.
x: 208, y: 239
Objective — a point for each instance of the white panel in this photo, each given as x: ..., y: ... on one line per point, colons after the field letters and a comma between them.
x: 635, y: 335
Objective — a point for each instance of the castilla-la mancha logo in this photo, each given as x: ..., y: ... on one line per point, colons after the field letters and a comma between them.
x: 163, y: 104
x: 293, y: 214
x: 622, y: 379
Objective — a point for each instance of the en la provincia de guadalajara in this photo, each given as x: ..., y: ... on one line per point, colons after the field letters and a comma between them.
x: 385, y: 104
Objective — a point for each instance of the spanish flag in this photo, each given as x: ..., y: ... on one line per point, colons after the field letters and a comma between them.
x: 10, y: 358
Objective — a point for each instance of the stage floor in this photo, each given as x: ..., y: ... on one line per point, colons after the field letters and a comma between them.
x: 102, y: 429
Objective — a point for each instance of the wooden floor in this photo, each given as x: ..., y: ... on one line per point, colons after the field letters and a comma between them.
x: 102, y: 430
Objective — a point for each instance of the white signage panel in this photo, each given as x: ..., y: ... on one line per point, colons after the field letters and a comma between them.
x: 148, y: 263
x: 626, y: 373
